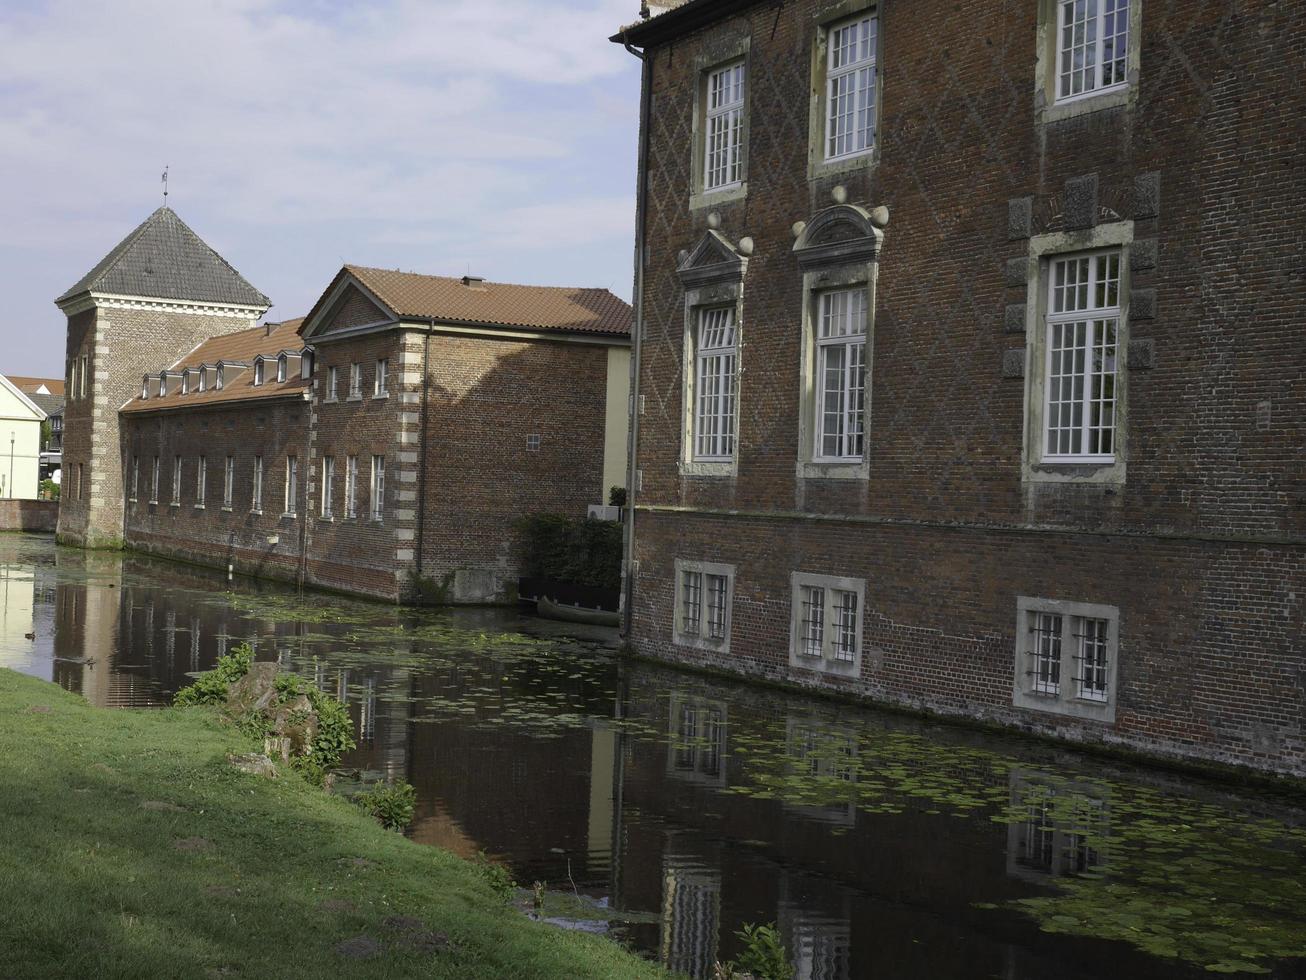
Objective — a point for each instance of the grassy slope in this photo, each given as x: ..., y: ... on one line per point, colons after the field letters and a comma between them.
x: 93, y: 884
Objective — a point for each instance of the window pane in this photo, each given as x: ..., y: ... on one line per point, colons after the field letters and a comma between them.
x: 845, y: 626
x: 691, y: 601
x: 714, y: 428
x: 1045, y: 629
x: 716, y: 606
x: 850, y: 88
x: 811, y: 627
x: 1090, y: 657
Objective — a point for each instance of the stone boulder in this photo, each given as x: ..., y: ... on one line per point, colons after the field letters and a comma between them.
x: 253, y: 692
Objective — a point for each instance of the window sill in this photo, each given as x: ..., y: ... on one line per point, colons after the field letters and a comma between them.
x: 1079, y: 105
x: 254, y: 511
x: 381, y: 397
x: 175, y: 503
x: 823, y: 665
x: 727, y: 194
x: 199, y: 507
x: 289, y: 516
x: 854, y: 163
x: 354, y: 398
x: 834, y: 470
x: 327, y: 519
x: 330, y: 401
x: 696, y: 642
x: 704, y: 467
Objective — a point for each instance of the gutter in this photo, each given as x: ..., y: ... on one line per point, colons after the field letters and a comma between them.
x: 681, y: 20
x: 637, y: 334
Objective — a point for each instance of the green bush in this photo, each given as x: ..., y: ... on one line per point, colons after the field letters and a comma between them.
x: 211, y: 686
x: 49, y: 490
x: 577, y: 550
x: 392, y: 804
x: 764, y: 954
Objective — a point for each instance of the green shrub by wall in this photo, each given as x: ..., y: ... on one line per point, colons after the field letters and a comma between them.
x: 578, y: 550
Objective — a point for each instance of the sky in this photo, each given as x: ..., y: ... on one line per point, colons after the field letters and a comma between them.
x: 496, y: 137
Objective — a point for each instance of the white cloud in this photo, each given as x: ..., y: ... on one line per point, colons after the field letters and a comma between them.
x: 440, y: 124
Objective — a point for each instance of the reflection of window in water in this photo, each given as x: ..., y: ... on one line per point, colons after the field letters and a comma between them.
x: 367, y: 712
x: 283, y: 658
x: 691, y: 916
x: 820, y: 946
x: 222, y: 638
x: 822, y: 753
x: 1062, y: 829
x: 698, y: 740
x: 342, y: 686
x: 319, y: 675
x: 194, y: 643
x: 149, y: 626
x: 169, y: 636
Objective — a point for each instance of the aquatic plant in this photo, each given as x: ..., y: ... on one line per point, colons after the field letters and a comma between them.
x: 392, y: 804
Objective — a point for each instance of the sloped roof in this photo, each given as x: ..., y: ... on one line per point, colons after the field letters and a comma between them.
x: 562, y: 308
x: 49, y: 404
x: 29, y: 386
x: 23, y: 399
x: 164, y: 259
x: 243, y: 346
x: 663, y: 19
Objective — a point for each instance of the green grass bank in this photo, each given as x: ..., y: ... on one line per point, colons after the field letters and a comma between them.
x: 130, y: 847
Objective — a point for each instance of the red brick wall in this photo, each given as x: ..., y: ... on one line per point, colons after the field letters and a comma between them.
x: 1211, y: 654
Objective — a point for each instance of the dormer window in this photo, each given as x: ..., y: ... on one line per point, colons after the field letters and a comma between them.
x: 163, y: 383
x: 218, y: 378
x: 204, y: 377
x: 185, y: 382
x: 281, y: 367
x: 306, y: 363
x: 145, y: 387
x: 258, y: 371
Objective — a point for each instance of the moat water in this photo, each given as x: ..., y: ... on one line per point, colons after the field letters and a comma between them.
x: 882, y: 845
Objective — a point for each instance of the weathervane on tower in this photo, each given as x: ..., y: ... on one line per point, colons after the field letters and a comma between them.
x: 165, y: 185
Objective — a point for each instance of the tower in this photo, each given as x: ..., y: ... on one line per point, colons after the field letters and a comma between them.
x: 160, y: 292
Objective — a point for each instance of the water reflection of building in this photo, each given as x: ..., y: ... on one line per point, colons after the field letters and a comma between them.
x: 816, y: 925
x: 1063, y: 830
x: 824, y: 758
x: 697, y: 745
x: 691, y: 914
x: 18, y: 620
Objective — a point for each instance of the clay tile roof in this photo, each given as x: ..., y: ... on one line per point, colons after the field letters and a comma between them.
x: 268, y: 339
x: 164, y: 259
x: 447, y: 299
x: 28, y: 386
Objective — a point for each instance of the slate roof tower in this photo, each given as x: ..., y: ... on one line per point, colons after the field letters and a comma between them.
x: 155, y: 296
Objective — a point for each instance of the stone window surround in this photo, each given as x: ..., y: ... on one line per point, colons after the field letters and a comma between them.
x: 702, y: 641
x: 828, y: 16
x: 1066, y: 702
x: 1042, y: 249
x: 825, y: 665
x: 839, y: 265
x: 729, y: 47
x: 1047, y: 109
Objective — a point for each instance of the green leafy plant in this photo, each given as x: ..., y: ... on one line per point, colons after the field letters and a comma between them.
x: 49, y: 490
x: 581, y: 551
x: 392, y: 804
x: 617, y: 496
x: 211, y: 686
x: 764, y: 955
x: 496, y: 876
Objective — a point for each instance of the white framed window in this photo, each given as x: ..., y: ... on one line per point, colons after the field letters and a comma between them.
x: 378, y: 488
x: 1083, y: 327
x: 1066, y: 657
x: 715, y: 384
x: 850, y: 87
x: 840, y: 376
x: 826, y: 623
x: 381, y: 381
x: 228, y: 481
x: 332, y: 385
x: 351, y: 486
x: 256, y: 495
x: 258, y: 371
x: 355, y: 380
x: 154, y: 481
x: 724, y: 133
x: 292, y: 484
x: 307, y: 363
x: 704, y: 597
x: 328, y: 483
x: 1092, y: 47
x: 201, y: 480
x: 533, y: 441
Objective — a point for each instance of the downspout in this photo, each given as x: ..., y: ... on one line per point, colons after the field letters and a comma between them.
x: 308, y: 510
x: 641, y: 204
x: 421, y: 453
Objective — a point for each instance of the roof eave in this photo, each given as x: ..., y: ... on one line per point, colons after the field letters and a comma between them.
x: 680, y: 20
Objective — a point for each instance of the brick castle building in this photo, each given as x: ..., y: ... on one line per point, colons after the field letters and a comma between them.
x: 969, y: 363
x: 384, y: 444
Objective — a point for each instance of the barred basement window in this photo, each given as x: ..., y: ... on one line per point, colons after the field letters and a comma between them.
x: 850, y: 85
x: 725, y: 127
x: 715, y: 385
x: 1083, y: 325
x: 1092, y: 46
x: 704, y: 594
x: 1066, y: 657
x: 826, y: 625
x: 841, y: 376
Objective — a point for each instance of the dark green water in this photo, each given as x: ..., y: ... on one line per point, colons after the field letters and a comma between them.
x: 883, y: 846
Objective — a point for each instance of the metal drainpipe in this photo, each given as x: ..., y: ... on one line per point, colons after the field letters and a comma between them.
x: 641, y: 203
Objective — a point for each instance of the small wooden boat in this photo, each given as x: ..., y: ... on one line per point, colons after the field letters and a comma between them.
x: 549, y: 609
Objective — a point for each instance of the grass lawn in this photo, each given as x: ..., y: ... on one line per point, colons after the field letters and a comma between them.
x: 129, y: 847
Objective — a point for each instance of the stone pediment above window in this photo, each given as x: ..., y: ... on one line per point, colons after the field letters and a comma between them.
x: 714, y: 260
x: 844, y: 234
